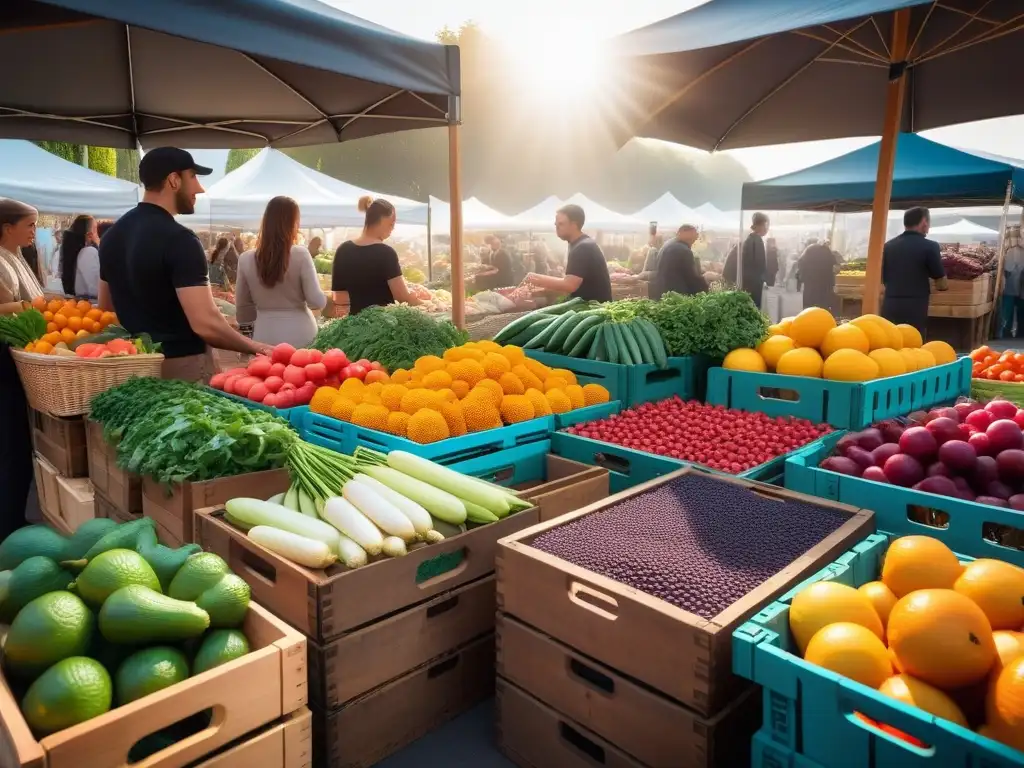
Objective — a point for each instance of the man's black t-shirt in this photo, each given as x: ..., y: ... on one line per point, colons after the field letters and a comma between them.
x: 909, y: 261
x: 145, y: 257
x: 364, y: 271
x: 586, y: 261
x: 677, y: 271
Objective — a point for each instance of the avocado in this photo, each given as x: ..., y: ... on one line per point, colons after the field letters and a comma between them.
x: 70, y: 692
x: 87, y: 534
x: 148, y: 671
x: 33, y: 578
x: 30, y: 541
x: 122, y: 537
x: 109, y: 571
x: 53, y: 627
x: 166, y: 562
x: 5, y: 580
x: 227, y: 601
x: 219, y: 647
x: 200, y: 572
x: 138, y: 614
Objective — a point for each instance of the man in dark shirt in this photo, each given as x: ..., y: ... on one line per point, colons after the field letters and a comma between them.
x: 500, y: 273
x: 908, y: 262
x: 677, y: 268
x: 153, y: 271
x: 754, y: 259
x: 586, y: 270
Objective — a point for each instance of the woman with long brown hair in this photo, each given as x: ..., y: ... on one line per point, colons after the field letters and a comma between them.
x: 218, y: 272
x: 277, y: 282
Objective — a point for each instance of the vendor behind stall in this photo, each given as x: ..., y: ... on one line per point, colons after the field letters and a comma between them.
x: 677, y: 268
x: 586, y: 271
x: 499, y: 273
x: 908, y: 262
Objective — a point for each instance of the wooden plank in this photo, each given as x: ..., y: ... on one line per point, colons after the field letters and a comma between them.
x: 285, y: 744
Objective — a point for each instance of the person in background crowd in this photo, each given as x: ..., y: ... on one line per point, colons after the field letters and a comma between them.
x: 31, y: 257
x: 79, y: 244
x: 754, y: 259
x: 1012, y: 304
x: 654, y: 248
x: 153, y: 271
x: 909, y: 262
x: 315, y: 247
x: 500, y: 261
x: 586, y: 271
x: 816, y: 270
x: 366, y: 270
x: 17, y: 284
x: 102, y: 228
x: 677, y: 268
x: 218, y: 276
x: 230, y: 259
x: 277, y: 282
x: 771, y: 261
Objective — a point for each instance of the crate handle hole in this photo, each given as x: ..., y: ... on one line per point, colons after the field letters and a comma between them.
x: 593, y: 601
x: 194, y: 729
x: 612, y: 463
x: 660, y: 375
x: 591, y: 676
x: 255, y: 565
x: 576, y: 739
x: 441, y: 568
x: 1004, y: 535
x: 890, y: 733
x: 933, y: 518
x: 441, y: 668
x: 443, y: 607
x: 774, y: 393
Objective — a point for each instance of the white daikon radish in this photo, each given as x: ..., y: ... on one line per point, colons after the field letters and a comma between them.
x: 438, y: 503
x: 379, y: 510
x: 487, y: 496
x: 352, y: 555
x: 277, y: 498
x: 299, y: 549
x: 394, y: 547
x: 351, y: 522
x: 418, y: 516
x: 433, y: 537
x: 255, y: 512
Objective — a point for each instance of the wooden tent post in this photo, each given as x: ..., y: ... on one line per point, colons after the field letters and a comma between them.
x: 455, y: 205
x: 886, y: 159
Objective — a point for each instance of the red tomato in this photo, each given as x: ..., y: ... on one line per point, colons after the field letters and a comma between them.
x: 316, y: 372
x: 375, y: 366
x: 286, y: 398
x: 305, y: 393
x: 217, y: 382
x: 334, y: 360
x: 354, y: 371
x: 273, y: 383
x: 259, y: 392
x: 260, y: 367
x: 363, y: 362
x: 333, y: 381
x: 270, y: 400
x: 315, y: 355
x: 277, y: 369
x: 236, y: 372
x: 242, y: 386
x: 295, y: 376
x: 229, y: 383
x: 301, y: 358
x: 286, y: 387
x: 283, y: 353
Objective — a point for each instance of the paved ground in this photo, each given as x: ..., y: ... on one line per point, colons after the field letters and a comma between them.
x: 466, y: 742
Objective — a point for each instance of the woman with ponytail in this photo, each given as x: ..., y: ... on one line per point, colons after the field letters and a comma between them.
x: 80, y: 258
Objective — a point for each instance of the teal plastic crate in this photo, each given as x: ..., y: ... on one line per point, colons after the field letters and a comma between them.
x: 842, y: 404
x: 291, y: 415
x: 635, y: 384
x: 511, y: 466
x: 969, y: 529
x: 344, y: 437
x: 767, y: 754
x: 809, y: 711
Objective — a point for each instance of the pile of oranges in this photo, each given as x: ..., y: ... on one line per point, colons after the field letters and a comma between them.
x: 995, y: 366
x: 68, y: 321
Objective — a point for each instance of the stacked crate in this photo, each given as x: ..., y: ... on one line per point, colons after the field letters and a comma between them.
x: 61, y: 468
x: 118, y: 494
x: 593, y: 671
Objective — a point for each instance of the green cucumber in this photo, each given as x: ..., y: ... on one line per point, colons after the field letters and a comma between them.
x: 557, y: 340
x: 596, y: 344
x: 530, y: 331
x: 602, y: 345
x: 625, y: 358
x: 646, y: 353
x: 611, y: 344
x: 565, y: 306
x: 634, y: 348
x: 520, y: 324
x: 587, y: 322
x: 538, y: 341
x: 582, y: 347
x: 656, y: 342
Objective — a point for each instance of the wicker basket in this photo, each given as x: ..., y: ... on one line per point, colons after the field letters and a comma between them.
x: 64, y: 386
x: 487, y: 328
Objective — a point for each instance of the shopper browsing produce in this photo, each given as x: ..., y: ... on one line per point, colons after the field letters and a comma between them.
x: 677, y: 269
x: 586, y: 272
x: 909, y: 262
x: 366, y: 270
x: 153, y: 271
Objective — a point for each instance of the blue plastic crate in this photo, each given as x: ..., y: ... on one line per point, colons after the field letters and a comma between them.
x: 635, y: 384
x: 511, y: 466
x: 344, y: 437
x: 842, y: 404
x: 964, y: 531
x: 809, y: 711
x: 288, y: 414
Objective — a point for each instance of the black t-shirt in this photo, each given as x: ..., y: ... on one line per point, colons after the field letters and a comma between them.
x: 364, y: 271
x: 586, y: 260
x: 908, y: 262
x: 145, y: 257
x: 677, y: 271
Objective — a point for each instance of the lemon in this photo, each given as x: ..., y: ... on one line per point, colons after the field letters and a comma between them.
x: 745, y: 359
x: 845, y: 336
x: 890, y: 362
x: 774, y: 347
x: 909, y: 356
x: 804, y: 361
x: 781, y: 328
x: 850, y: 365
x: 911, y: 336
x: 925, y: 359
x: 878, y: 336
x: 941, y: 351
x: 809, y: 328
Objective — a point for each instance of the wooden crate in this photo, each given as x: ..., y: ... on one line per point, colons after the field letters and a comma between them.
x: 568, y: 486
x: 360, y: 661
x: 61, y: 441
x: 328, y: 604
x: 383, y: 721
x: 657, y: 731
x: 106, y: 508
x: 120, y: 489
x: 173, y: 511
x: 245, y: 694
x: 532, y: 735
x: 77, y: 502
x: 48, y: 492
x: 687, y: 657
x: 285, y: 744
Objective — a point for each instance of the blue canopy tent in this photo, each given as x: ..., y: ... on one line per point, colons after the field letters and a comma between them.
x: 925, y: 173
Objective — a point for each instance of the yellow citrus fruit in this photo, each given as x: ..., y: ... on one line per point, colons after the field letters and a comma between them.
x: 804, y: 361
x: 849, y: 365
x: 911, y: 336
x: 781, y: 328
x: 809, y: 328
x: 925, y: 359
x: 941, y: 351
x: 919, y: 562
x: 852, y: 651
x: 917, y: 693
x: 845, y: 336
x: 878, y: 336
x: 881, y: 598
x: 827, y: 602
x: 774, y: 347
x: 744, y: 359
x: 890, y: 362
x: 998, y: 589
x: 1009, y: 646
x: 909, y: 355
x: 1005, y: 705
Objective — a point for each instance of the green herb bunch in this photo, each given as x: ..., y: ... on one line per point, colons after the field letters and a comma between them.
x: 711, y: 324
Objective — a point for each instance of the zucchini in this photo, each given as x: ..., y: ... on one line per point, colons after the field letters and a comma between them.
x: 634, y: 348
x: 565, y: 306
x: 587, y: 322
x: 557, y: 341
x: 646, y: 353
x: 582, y: 347
x: 625, y: 358
x: 611, y: 343
x: 595, y: 344
x: 541, y: 339
x: 656, y: 342
x: 532, y: 330
x: 600, y: 353
x: 519, y: 325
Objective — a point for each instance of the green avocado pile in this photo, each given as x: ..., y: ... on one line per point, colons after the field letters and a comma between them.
x: 109, y: 615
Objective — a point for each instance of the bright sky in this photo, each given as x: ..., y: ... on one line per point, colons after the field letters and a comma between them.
x: 549, y: 24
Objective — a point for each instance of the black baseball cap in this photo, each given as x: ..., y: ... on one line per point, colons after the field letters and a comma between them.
x: 157, y: 164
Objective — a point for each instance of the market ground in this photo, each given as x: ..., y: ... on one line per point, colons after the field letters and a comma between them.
x: 466, y: 742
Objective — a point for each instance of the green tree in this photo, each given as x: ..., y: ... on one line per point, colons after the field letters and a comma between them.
x: 103, y: 160
x: 128, y: 164
x: 63, y: 149
x: 239, y: 157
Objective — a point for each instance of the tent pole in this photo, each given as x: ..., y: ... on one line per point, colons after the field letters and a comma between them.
x: 991, y: 325
x: 455, y: 205
x: 430, y: 257
x: 886, y: 159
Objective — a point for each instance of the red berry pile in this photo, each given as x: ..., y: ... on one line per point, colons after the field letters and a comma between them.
x: 718, y: 437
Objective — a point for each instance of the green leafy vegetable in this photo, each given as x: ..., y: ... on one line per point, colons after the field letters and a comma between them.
x: 22, y: 328
x: 395, y: 336
x: 711, y: 324
x: 172, y: 431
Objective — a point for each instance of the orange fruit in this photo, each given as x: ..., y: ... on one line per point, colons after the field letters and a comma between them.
x: 53, y: 337
x: 881, y: 598
x: 75, y: 324
x: 39, y: 303
x: 919, y: 562
x: 941, y: 637
x: 84, y: 306
x: 850, y: 650
x: 828, y: 602
x: 1009, y: 646
x: 54, y: 305
x: 51, y: 327
x: 917, y: 693
x: 997, y: 588
x: 1004, y: 707
x: 895, y: 664
x: 43, y: 347
x: 81, y: 334
x: 92, y: 326
x: 48, y: 316
x: 60, y: 321
x: 107, y: 318
x: 94, y: 314
x: 67, y: 335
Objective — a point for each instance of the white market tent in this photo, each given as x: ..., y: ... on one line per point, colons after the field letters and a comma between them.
x: 600, y: 218
x: 239, y: 199
x: 963, y: 231
x: 712, y: 218
x: 540, y: 217
x: 475, y: 216
x: 668, y: 212
x: 53, y: 185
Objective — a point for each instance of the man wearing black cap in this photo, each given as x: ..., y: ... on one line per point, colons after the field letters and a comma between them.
x: 153, y: 271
